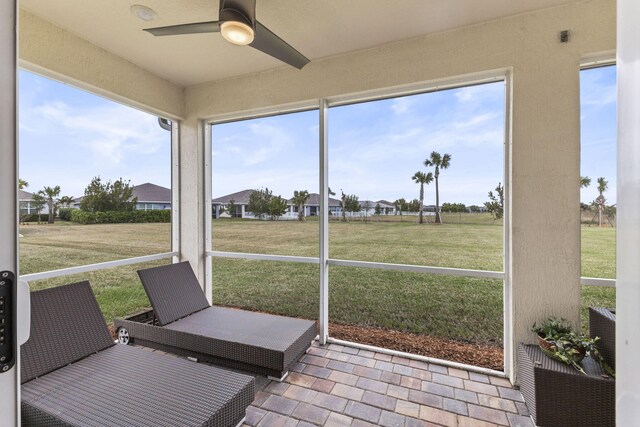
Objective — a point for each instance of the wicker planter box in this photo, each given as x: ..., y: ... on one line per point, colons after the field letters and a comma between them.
x: 602, y: 323
x: 558, y: 395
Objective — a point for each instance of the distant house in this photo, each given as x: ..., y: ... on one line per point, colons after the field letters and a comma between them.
x: 312, y: 207
x: 241, y: 200
x: 386, y: 207
x: 151, y: 197
x: 25, y: 200
x: 367, y: 208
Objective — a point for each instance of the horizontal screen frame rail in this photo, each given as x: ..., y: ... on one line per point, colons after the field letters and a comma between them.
x: 486, y: 274
x: 95, y: 267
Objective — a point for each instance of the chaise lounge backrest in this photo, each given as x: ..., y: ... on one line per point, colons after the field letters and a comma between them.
x: 66, y: 326
x: 173, y: 290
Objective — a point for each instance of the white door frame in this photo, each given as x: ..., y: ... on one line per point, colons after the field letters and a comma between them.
x: 628, y: 235
x: 10, y: 380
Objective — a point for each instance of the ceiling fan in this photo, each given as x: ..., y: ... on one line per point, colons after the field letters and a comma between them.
x: 238, y: 25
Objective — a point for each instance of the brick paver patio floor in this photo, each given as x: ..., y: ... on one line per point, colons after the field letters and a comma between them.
x: 344, y: 386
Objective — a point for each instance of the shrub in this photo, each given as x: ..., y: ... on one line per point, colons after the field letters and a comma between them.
x: 120, y: 217
x: 34, y: 218
x: 64, y: 214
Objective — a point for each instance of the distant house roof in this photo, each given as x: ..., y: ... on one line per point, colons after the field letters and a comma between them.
x: 151, y: 193
x: 146, y: 193
x: 25, y: 195
x: 314, y: 200
x: 239, y: 198
x: 385, y: 204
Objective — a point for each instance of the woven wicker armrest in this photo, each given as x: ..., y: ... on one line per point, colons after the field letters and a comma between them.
x: 602, y: 323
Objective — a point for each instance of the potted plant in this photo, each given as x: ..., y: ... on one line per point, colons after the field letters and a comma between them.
x: 557, y: 340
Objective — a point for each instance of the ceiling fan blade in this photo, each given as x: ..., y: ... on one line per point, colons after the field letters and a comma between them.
x: 245, y: 7
x: 195, y: 28
x: 269, y: 43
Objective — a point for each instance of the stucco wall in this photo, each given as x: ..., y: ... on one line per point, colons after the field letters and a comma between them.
x: 545, y: 151
x: 56, y: 53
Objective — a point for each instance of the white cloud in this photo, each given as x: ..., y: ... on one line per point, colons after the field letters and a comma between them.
x: 477, y: 119
x: 401, y: 105
x: 112, y: 132
x: 266, y: 143
x: 474, y: 93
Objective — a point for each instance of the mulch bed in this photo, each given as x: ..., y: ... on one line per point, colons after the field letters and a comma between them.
x: 484, y: 355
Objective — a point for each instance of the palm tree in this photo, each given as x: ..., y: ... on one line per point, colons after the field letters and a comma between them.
x: 585, y: 181
x: 422, y: 179
x: 51, y: 193
x: 299, y: 199
x: 401, y: 205
x: 439, y: 162
x: 66, y: 201
x: 603, y: 185
x: 600, y: 201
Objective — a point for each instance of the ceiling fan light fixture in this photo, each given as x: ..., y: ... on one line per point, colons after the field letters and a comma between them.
x: 144, y: 13
x: 237, y: 32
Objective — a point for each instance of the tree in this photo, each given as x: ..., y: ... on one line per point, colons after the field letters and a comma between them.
x: 401, y: 205
x: 38, y: 200
x: 378, y: 209
x: 299, y: 199
x: 22, y: 184
x: 51, y: 194
x: 348, y: 203
x: 495, y: 205
x: 414, y: 206
x: 422, y: 179
x: 65, y: 201
x: 365, y: 207
x: 231, y: 208
x: 277, y: 207
x: 263, y: 204
x: 474, y: 208
x: 585, y: 181
x: 603, y: 185
x: 258, y: 204
x: 454, y: 207
x: 109, y: 196
x: 438, y: 162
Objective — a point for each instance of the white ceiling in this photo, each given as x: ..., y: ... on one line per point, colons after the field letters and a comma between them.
x: 317, y: 28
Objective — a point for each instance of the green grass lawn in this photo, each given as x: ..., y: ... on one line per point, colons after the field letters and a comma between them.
x: 453, y: 307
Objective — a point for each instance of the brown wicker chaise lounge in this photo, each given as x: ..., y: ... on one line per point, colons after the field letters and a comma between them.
x: 182, y: 322
x: 74, y: 375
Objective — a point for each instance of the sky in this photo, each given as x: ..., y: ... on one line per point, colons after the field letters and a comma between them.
x: 374, y: 148
x: 68, y: 136
x: 598, y: 131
